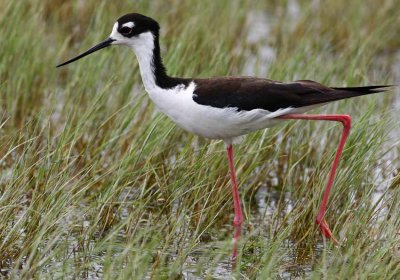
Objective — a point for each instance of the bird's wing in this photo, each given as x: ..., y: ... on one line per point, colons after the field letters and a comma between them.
x: 247, y: 93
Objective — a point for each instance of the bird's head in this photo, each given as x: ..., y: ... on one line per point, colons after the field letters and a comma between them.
x: 133, y: 30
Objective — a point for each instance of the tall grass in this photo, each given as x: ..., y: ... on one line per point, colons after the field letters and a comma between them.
x: 94, y: 183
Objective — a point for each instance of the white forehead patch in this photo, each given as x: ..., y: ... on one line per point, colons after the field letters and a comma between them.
x: 114, y: 31
x: 129, y: 24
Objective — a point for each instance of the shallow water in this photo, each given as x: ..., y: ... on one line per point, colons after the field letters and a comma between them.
x: 259, y: 54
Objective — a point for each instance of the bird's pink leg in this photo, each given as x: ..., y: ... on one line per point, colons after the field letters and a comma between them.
x: 346, y: 121
x: 238, y: 219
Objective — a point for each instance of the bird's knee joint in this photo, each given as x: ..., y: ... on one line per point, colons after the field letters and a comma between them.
x: 346, y: 121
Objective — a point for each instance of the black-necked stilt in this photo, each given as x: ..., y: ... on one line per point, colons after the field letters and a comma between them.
x: 227, y: 107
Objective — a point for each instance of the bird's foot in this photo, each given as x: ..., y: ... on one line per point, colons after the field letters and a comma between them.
x: 323, y: 226
x: 233, y: 261
x: 234, y: 253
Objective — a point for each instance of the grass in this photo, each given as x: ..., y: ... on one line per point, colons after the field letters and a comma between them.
x: 94, y: 183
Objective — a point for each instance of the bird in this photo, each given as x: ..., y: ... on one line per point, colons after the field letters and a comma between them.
x: 228, y: 108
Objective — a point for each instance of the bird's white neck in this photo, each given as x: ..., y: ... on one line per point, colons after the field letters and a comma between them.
x: 154, y: 74
x: 145, y: 56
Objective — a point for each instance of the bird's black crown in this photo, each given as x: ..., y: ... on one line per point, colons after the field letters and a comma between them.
x: 141, y: 24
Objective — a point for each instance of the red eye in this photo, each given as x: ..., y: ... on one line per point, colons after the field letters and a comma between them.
x: 125, y: 30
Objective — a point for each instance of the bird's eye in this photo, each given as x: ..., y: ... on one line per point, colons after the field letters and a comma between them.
x: 125, y: 30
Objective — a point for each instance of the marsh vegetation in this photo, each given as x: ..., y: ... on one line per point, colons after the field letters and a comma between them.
x: 94, y: 183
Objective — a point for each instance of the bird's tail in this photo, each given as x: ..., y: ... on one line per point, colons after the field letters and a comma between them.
x: 340, y: 93
x: 357, y: 91
x: 320, y: 94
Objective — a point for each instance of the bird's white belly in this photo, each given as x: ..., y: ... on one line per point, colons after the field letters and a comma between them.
x: 219, y: 123
x: 211, y: 122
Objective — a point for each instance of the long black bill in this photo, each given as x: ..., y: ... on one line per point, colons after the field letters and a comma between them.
x: 102, y: 45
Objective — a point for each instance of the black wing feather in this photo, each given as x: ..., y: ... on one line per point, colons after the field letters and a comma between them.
x: 246, y: 93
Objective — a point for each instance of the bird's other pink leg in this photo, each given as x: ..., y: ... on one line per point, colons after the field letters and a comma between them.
x: 346, y: 121
x: 238, y: 219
